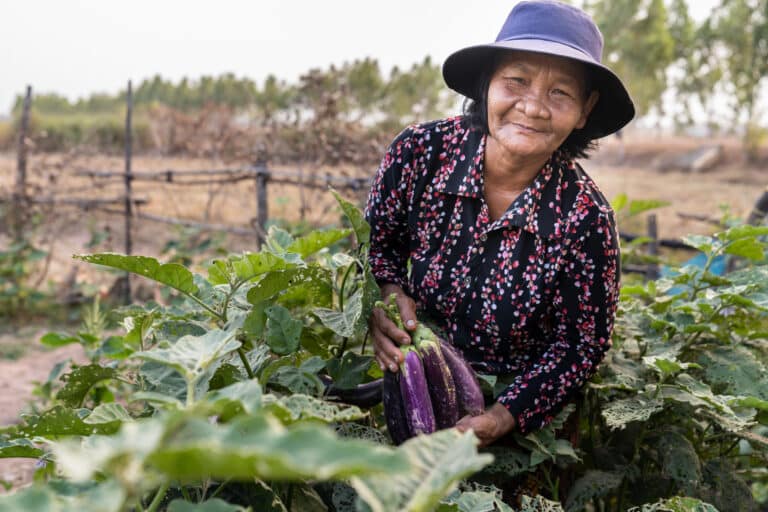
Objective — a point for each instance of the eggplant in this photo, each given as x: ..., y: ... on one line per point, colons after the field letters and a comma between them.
x: 415, y: 394
x: 364, y: 395
x: 442, y: 389
x: 394, y: 412
x: 468, y: 392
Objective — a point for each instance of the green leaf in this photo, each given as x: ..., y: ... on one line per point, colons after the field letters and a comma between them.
x: 703, y: 243
x: 283, y: 331
x: 105, y: 496
x: 619, y: 202
x: 349, y: 370
x: 196, y: 358
x: 260, y: 447
x: 317, y: 240
x: 619, y: 413
x: 678, y: 459
x: 750, y: 401
x: 676, y: 504
x: 169, y: 274
x: 21, y: 448
x: 62, y: 422
x: 594, y: 484
x: 734, y: 370
x: 438, y: 462
x: 746, y: 248
x: 108, y: 413
x: 55, y: 339
x: 80, y: 380
x: 278, y: 281
x: 241, y: 397
x: 639, y: 206
x: 539, y: 504
x: 212, y: 505
x: 343, y: 323
x: 356, y: 219
x: 743, y: 231
x: 508, y: 461
x: 297, y: 407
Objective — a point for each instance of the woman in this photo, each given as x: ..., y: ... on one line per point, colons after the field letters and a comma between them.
x: 512, y: 247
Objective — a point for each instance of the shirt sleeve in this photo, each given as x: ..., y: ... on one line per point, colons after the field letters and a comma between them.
x: 386, y: 212
x: 584, y: 307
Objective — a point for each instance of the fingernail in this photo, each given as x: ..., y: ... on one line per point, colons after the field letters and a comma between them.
x: 411, y: 324
x: 405, y: 341
x: 381, y: 365
x: 393, y: 367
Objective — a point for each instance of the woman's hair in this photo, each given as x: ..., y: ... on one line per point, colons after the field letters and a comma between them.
x: 578, y: 143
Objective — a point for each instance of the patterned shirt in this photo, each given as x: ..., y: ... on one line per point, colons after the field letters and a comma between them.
x: 531, y: 295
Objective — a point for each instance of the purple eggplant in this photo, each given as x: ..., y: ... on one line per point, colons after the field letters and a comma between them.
x: 442, y: 389
x: 468, y: 392
x: 415, y: 394
x: 394, y: 412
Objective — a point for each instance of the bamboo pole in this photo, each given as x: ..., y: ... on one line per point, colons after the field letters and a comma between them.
x: 262, y: 205
x: 128, y: 178
x: 20, y: 189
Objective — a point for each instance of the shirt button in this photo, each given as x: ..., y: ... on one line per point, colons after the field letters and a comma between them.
x: 467, y: 281
x: 483, y: 237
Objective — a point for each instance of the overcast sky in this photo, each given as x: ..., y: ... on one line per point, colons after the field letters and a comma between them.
x: 77, y: 47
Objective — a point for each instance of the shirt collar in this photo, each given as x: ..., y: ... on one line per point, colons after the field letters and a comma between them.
x: 537, y: 210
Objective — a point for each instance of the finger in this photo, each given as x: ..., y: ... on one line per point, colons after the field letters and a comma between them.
x: 387, y: 352
x: 388, y: 328
x: 407, y: 308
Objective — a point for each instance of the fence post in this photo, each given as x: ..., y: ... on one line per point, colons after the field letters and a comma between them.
x: 128, y: 187
x: 20, y: 189
x: 262, y: 205
x: 652, y: 271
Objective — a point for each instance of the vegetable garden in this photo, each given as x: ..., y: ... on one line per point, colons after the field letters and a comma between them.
x: 222, y: 400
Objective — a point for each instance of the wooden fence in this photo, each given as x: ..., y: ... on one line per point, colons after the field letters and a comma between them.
x: 125, y: 204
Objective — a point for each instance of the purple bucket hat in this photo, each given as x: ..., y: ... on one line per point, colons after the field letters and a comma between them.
x: 554, y: 28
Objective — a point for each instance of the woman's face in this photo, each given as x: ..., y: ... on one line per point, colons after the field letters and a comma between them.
x: 535, y: 101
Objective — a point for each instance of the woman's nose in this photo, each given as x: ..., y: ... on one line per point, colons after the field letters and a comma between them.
x: 533, y: 107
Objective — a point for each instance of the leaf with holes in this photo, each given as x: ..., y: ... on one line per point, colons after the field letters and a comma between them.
x: 169, y: 274
x: 313, y: 242
x: 594, y: 484
x: 438, y: 462
x: 292, y: 408
x: 283, y: 331
x: 80, y: 380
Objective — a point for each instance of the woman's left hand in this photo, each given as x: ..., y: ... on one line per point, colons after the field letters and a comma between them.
x: 489, y: 426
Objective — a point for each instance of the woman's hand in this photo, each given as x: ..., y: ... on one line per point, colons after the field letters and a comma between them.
x: 386, y: 335
x: 489, y: 426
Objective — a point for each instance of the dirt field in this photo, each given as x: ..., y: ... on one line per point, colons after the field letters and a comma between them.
x: 67, y: 231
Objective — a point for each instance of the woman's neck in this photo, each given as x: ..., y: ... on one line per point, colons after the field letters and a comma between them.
x: 508, y: 172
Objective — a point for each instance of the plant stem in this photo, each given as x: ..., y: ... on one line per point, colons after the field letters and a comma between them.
x: 158, y: 498
x: 207, y: 308
x: 246, y: 364
x: 190, y: 392
x: 343, y: 285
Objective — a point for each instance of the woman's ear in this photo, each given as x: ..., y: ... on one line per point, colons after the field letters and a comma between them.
x: 587, y: 109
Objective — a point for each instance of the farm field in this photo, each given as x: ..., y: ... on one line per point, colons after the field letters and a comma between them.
x: 730, y: 185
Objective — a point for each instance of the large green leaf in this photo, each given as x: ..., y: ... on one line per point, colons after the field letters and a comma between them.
x: 212, y: 505
x: 678, y: 459
x: 121, y: 455
x: 676, y: 504
x: 19, y: 448
x: 356, y: 219
x: 475, y: 501
x: 241, y: 397
x: 283, y: 331
x: 169, y: 274
x: 80, y: 380
x: 619, y: 413
x: 259, y: 446
x: 60, y: 422
x: 278, y: 281
x: 317, y: 240
x: 343, y: 323
x: 297, y: 407
x: 734, y: 370
x: 349, y: 370
x: 438, y: 462
x: 105, y: 496
x: 594, y: 484
x: 108, y: 413
x: 196, y: 358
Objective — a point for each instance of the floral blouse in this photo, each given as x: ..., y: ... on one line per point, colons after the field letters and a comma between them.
x: 532, y: 295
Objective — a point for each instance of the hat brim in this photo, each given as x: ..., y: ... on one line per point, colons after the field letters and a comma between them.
x: 613, y: 110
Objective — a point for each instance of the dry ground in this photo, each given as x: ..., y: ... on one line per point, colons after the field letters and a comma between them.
x: 67, y: 231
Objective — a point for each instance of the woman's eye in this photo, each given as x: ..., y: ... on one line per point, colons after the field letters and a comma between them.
x: 561, y: 92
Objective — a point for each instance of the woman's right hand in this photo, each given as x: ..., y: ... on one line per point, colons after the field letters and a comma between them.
x: 386, y: 335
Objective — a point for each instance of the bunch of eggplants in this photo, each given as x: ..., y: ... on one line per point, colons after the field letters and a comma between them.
x: 434, y: 387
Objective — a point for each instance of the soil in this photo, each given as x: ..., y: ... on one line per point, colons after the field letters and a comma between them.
x: 637, y: 170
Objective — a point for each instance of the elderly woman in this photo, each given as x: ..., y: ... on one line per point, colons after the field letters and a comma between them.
x: 512, y: 248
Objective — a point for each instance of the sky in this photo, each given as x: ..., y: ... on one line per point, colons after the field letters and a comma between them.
x: 78, y: 47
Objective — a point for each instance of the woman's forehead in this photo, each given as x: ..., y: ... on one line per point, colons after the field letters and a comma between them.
x: 532, y: 61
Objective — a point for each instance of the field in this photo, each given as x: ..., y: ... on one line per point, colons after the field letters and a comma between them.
x: 731, y: 185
